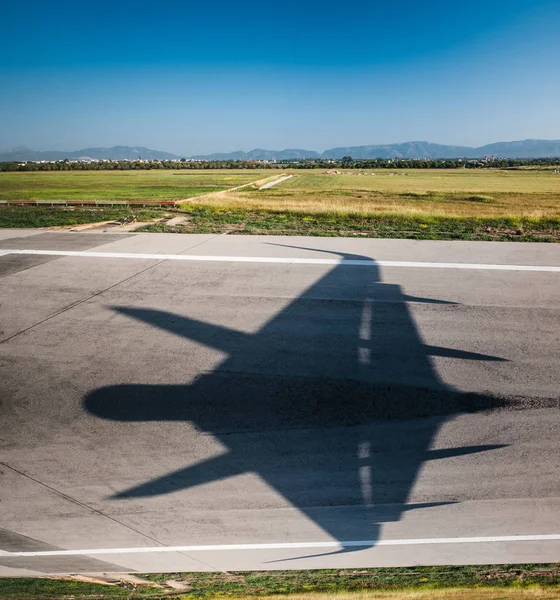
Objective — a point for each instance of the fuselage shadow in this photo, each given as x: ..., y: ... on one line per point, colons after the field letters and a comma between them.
x: 334, y: 402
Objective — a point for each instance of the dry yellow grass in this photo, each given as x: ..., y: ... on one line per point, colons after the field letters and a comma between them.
x: 490, y: 593
x: 216, y: 196
x: 457, y: 192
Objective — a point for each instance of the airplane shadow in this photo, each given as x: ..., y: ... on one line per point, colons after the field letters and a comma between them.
x: 345, y: 365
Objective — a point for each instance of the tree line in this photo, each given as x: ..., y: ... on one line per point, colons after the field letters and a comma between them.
x: 345, y: 163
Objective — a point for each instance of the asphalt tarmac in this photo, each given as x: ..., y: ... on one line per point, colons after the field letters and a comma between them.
x: 198, y: 402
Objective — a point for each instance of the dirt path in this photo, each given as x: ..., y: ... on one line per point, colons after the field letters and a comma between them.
x: 274, y: 179
x: 276, y: 182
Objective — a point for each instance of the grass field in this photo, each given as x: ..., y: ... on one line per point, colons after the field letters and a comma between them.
x: 482, y: 204
x: 428, y: 192
x: 203, y: 219
x: 506, y: 582
x: 47, y: 216
x: 118, y: 185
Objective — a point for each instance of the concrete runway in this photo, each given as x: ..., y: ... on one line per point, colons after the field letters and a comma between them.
x: 199, y: 402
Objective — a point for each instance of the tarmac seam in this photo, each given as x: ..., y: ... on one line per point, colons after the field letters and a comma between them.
x: 25, y: 268
x: 62, y: 494
x: 78, y: 302
x: 93, y: 510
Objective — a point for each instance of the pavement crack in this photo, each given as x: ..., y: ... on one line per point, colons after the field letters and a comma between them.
x: 62, y: 494
x: 201, y: 243
x: 100, y: 513
x: 83, y: 300
x: 78, y: 302
x: 78, y: 502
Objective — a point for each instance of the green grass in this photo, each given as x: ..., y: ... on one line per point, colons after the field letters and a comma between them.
x: 39, y: 216
x: 211, y: 585
x: 237, y: 221
x: 419, y: 204
x: 26, y: 588
x: 428, y: 180
x: 234, y: 221
x: 118, y: 185
x: 539, y: 580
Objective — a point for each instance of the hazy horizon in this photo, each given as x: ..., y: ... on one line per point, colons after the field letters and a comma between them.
x: 194, y: 79
x: 320, y: 150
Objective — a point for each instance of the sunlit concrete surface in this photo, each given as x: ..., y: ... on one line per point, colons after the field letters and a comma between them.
x: 154, y: 403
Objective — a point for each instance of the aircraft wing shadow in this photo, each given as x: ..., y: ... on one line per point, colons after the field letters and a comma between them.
x: 333, y: 402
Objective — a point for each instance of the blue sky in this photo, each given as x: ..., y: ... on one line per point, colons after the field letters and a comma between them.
x: 198, y: 77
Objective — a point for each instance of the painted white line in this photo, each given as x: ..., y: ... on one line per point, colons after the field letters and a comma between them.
x: 295, y: 545
x: 288, y: 260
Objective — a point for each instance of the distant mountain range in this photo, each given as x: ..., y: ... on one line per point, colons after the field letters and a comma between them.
x: 260, y: 154
x: 115, y: 153
x: 520, y: 149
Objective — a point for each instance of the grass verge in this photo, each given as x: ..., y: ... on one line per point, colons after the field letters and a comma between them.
x: 46, y: 216
x: 202, y: 219
x: 513, y: 582
x: 205, y: 219
x: 27, y: 588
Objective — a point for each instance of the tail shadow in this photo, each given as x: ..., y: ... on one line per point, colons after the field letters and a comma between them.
x: 334, y: 402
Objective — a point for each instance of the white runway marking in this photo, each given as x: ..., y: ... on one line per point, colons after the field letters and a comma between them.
x: 287, y: 260
x: 294, y: 545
